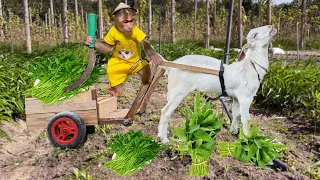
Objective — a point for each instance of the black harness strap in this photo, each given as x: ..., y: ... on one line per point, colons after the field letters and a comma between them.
x: 223, y: 87
x: 266, y: 70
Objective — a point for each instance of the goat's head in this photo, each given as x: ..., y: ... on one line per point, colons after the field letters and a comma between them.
x: 261, y: 36
x: 258, y: 37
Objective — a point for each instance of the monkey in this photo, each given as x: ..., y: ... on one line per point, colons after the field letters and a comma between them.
x: 124, y: 40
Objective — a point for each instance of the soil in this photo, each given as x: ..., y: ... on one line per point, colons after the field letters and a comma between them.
x: 29, y: 154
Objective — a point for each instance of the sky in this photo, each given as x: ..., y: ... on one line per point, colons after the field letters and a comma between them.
x: 282, y: 1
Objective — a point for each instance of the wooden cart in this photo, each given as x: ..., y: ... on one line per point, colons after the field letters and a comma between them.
x: 66, y: 123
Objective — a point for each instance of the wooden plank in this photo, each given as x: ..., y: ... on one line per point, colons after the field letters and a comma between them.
x: 117, y: 114
x: 37, y: 121
x: 81, y: 102
x: 106, y: 105
x: 190, y: 68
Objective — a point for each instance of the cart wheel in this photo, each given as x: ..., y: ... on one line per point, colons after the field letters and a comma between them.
x: 66, y: 130
x: 126, y: 122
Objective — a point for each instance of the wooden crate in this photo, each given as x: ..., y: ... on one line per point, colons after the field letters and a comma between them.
x: 87, y: 105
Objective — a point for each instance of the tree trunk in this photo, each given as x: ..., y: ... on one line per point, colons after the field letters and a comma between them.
x: 65, y: 21
x: 27, y: 25
x: 214, y: 15
x: 51, y: 12
x: 195, y: 18
x: 149, y: 20
x: 82, y: 18
x: 10, y: 30
x: 76, y: 18
x: 1, y: 20
x: 173, y: 38
x: 100, y: 21
x: 126, y: 2
x: 240, y: 34
x: 207, y: 35
x: 269, y: 12
x: 303, y: 26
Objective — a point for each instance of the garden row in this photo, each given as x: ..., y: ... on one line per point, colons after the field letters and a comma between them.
x: 292, y: 87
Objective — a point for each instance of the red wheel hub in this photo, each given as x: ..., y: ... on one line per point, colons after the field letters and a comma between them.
x: 64, y: 130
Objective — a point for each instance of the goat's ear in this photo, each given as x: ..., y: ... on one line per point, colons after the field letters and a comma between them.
x: 241, y: 56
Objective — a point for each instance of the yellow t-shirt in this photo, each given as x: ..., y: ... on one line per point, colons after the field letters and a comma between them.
x: 127, y: 46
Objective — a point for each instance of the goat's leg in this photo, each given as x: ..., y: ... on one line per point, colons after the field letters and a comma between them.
x: 235, y: 116
x: 173, y: 102
x: 245, y: 103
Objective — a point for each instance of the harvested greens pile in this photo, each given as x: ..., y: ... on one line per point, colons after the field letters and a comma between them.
x: 198, y: 135
x: 52, y: 73
x: 132, y: 151
x: 255, y: 147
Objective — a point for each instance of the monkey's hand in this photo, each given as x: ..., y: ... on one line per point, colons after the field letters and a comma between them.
x: 88, y: 40
x: 156, y: 59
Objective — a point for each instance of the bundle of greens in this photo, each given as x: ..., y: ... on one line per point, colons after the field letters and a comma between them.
x: 51, y: 74
x: 255, y: 147
x: 197, y: 136
x: 132, y: 151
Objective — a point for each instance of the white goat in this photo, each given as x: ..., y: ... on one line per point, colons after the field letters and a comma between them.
x: 242, y: 79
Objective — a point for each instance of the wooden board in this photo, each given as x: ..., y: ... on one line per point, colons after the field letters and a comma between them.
x: 78, y: 103
x: 116, y: 116
x: 106, y: 105
x: 41, y: 120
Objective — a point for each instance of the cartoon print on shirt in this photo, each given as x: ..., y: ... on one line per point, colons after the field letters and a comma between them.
x: 125, y: 51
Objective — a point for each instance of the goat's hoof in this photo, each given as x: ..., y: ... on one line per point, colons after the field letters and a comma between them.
x: 164, y: 140
x: 234, y: 132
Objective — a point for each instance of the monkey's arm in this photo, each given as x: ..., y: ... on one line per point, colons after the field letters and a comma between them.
x: 150, y: 52
x: 103, y: 47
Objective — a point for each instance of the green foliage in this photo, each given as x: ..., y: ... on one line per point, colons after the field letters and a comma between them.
x: 292, y: 87
x: 132, y: 151
x: 56, y: 72
x: 197, y: 136
x: 81, y: 175
x: 255, y: 148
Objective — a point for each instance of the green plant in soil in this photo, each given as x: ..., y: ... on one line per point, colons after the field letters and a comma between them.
x: 197, y: 136
x: 51, y: 74
x: 131, y: 152
x: 292, y: 88
x: 255, y: 147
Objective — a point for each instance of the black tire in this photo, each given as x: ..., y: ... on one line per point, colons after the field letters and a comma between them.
x: 66, y: 130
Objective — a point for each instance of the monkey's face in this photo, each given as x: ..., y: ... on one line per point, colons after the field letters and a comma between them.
x: 127, y: 25
x: 124, y: 20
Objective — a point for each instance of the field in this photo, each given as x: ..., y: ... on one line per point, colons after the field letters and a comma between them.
x: 29, y: 155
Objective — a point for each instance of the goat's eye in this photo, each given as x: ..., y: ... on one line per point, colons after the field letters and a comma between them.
x: 255, y: 35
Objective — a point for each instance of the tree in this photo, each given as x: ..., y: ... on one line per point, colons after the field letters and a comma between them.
x: 1, y: 20
x: 149, y: 19
x: 51, y: 12
x: 27, y: 25
x: 269, y: 12
x: 207, y: 35
x: 214, y: 15
x: 303, y: 25
x: 65, y: 21
x: 173, y: 38
x: 100, y: 21
x: 76, y: 17
x: 240, y: 33
x: 195, y: 18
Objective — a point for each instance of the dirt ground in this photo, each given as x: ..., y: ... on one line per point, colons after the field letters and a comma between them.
x: 29, y: 155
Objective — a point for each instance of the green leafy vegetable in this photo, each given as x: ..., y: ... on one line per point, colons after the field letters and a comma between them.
x: 255, y: 147
x: 132, y: 151
x: 197, y: 136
